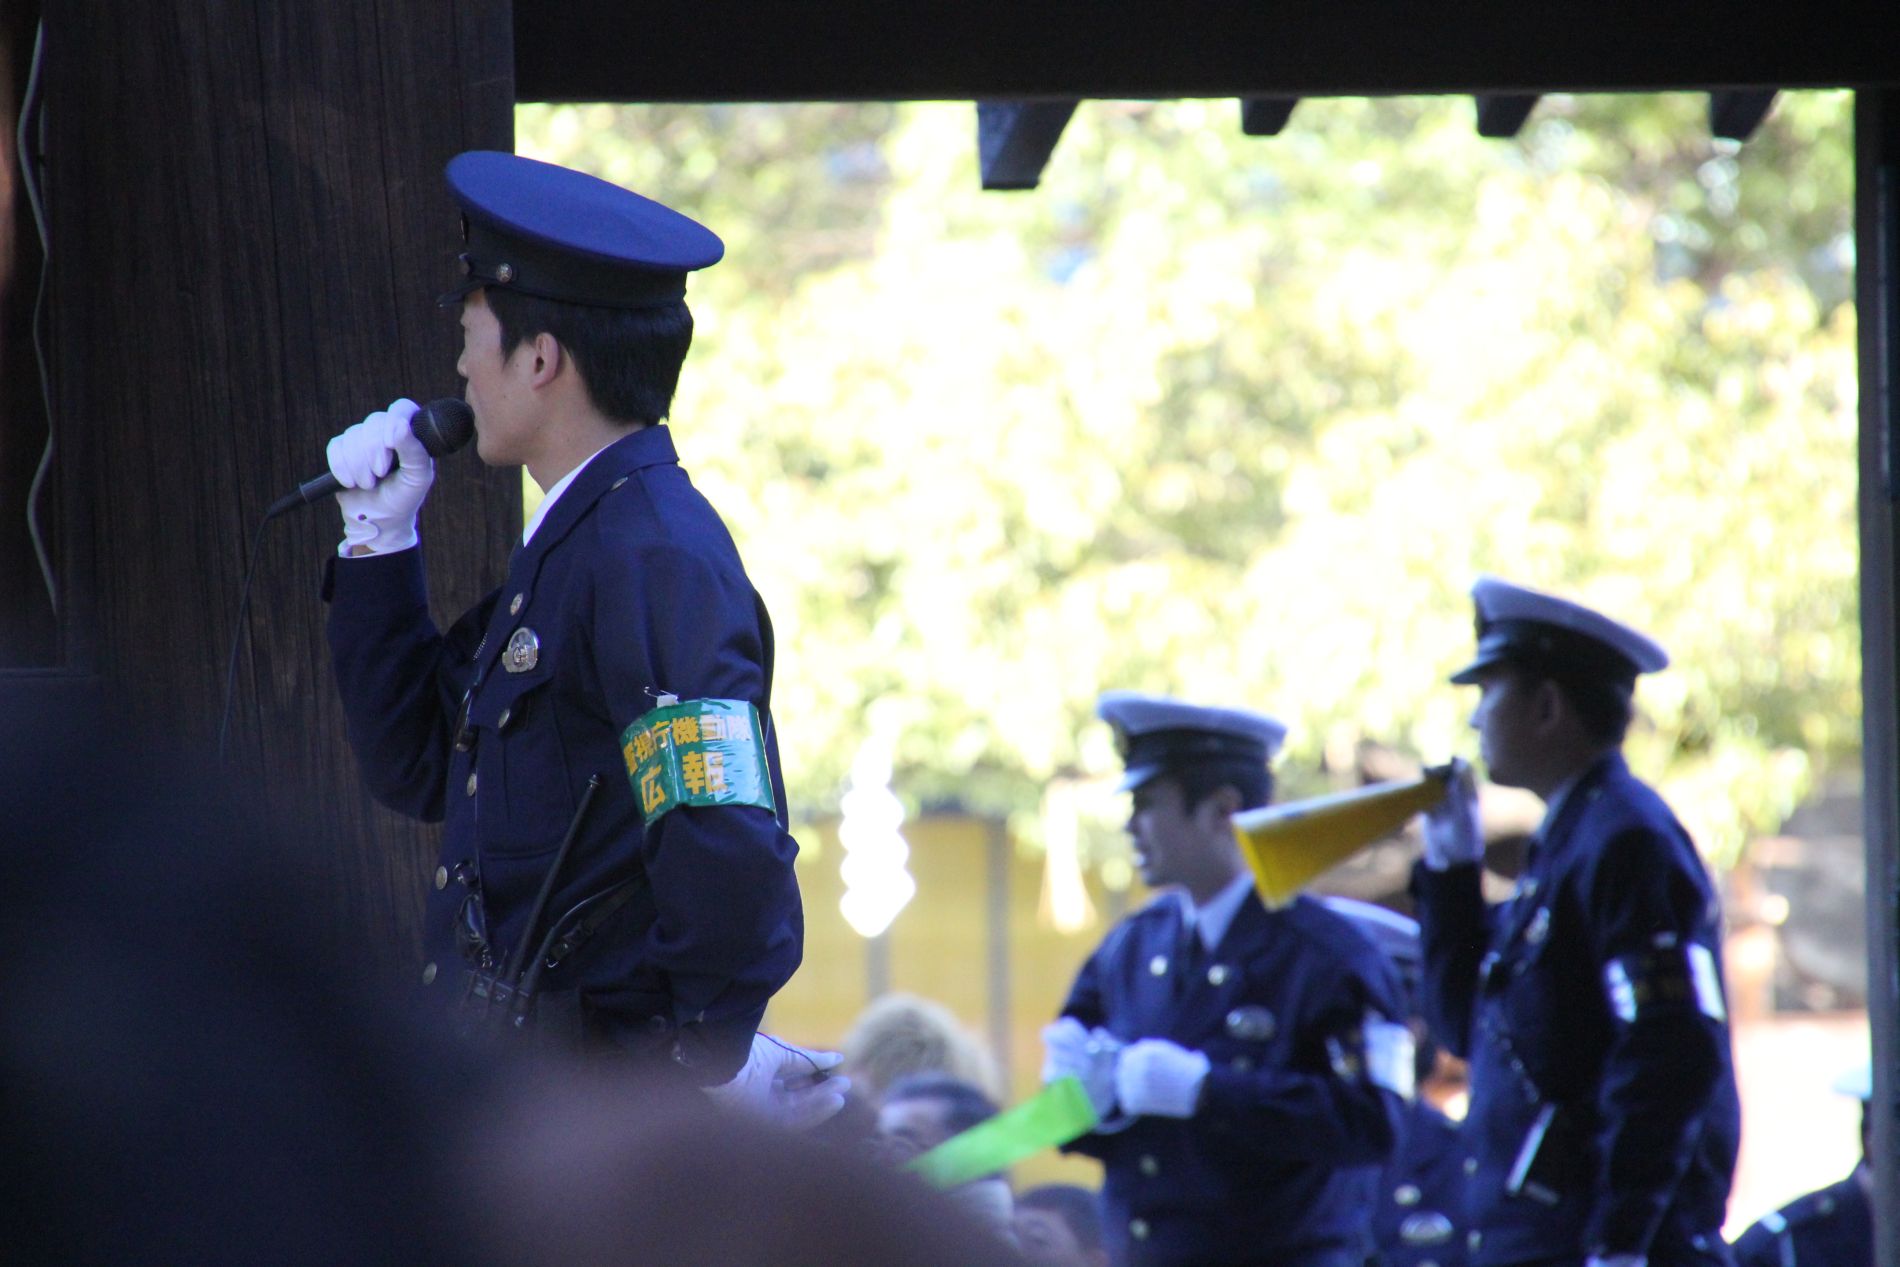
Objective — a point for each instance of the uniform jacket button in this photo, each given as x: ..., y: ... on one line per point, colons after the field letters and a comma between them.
x: 471, y: 783
x: 428, y: 974
x: 1138, y: 1228
x: 1149, y: 1166
x: 441, y: 877
x: 1471, y: 1165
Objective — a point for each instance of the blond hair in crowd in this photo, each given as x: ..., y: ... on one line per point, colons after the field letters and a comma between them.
x: 901, y: 1034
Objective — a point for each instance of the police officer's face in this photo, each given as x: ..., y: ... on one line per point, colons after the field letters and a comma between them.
x: 494, y: 387
x: 1505, y: 719
x: 1165, y: 835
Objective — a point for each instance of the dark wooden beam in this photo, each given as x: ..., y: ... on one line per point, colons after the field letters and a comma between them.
x: 1015, y: 138
x: 1013, y: 50
x: 1877, y: 299
x: 248, y: 267
x: 1501, y: 115
x: 1736, y: 115
x: 1265, y: 116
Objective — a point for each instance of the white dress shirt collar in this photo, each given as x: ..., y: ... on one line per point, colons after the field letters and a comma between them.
x: 554, y: 494
x: 1212, y: 920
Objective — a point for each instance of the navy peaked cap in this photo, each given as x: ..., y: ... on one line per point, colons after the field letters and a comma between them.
x: 1155, y: 733
x: 538, y: 229
x: 1555, y: 636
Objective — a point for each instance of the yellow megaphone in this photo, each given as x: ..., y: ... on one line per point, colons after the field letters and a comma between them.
x: 1287, y: 845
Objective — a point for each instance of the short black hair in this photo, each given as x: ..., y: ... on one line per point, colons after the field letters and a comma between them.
x: 1604, y: 708
x: 1199, y: 780
x: 964, y: 1105
x: 1078, y: 1207
x: 629, y: 358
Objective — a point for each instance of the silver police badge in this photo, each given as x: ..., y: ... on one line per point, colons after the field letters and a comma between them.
x: 523, y: 653
x: 1428, y: 1227
x: 1251, y: 1022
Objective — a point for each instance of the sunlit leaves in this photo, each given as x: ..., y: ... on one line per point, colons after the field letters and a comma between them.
x: 1242, y: 417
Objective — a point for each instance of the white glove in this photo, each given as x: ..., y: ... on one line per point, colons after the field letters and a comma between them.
x: 1158, y: 1078
x: 1452, y: 834
x: 380, y: 518
x: 780, y: 1084
x: 1617, y: 1260
x: 1070, y: 1049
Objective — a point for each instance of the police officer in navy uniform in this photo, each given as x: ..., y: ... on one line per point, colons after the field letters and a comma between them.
x: 1249, y: 1066
x: 1833, y: 1227
x: 1419, y: 1193
x: 1604, y: 1122
x: 670, y: 920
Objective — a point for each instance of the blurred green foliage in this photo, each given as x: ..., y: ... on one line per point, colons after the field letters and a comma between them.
x: 1241, y: 418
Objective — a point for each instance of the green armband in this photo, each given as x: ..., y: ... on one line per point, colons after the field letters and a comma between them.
x: 697, y: 752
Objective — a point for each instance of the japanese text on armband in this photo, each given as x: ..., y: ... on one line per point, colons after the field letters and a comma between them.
x: 697, y: 752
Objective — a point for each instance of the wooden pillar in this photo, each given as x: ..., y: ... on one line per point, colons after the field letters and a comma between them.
x: 1877, y: 295
x: 248, y: 227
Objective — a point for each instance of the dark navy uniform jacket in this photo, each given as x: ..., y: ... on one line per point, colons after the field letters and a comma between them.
x: 1830, y: 1228
x: 1590, y: 1004
x: 1276, y: 1163
x: 632, y: 587
x: 1418, y: 1221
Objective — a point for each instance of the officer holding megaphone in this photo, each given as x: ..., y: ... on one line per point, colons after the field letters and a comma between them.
x: 1604, y: 1119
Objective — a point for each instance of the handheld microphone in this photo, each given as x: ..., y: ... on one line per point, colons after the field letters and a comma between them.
x: 443, y: 426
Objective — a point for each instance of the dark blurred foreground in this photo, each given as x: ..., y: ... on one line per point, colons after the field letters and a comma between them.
x: 189, y: 1072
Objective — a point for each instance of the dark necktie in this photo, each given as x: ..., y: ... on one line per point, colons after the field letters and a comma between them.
x: 1190, y: 958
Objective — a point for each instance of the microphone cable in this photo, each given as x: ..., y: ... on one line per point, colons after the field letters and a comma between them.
x: 30, y: 142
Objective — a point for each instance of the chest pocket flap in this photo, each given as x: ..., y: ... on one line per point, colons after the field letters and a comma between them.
x: 522, y: 762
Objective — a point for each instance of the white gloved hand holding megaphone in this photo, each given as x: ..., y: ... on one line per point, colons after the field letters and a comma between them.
x: 1452, y: 834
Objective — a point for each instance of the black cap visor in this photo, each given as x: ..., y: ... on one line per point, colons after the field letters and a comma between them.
x: 1157, y: 751
x: 1547, y: 649
x: 530, y: 268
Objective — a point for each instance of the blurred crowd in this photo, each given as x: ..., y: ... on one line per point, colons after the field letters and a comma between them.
x: 194, y: 1074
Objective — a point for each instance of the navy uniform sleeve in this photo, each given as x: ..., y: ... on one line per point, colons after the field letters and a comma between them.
x: 728, y: 930
x: 1454, y: 929
x: 400, y: 679
x: 1651, y: 917
x: 1328, y: 1106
